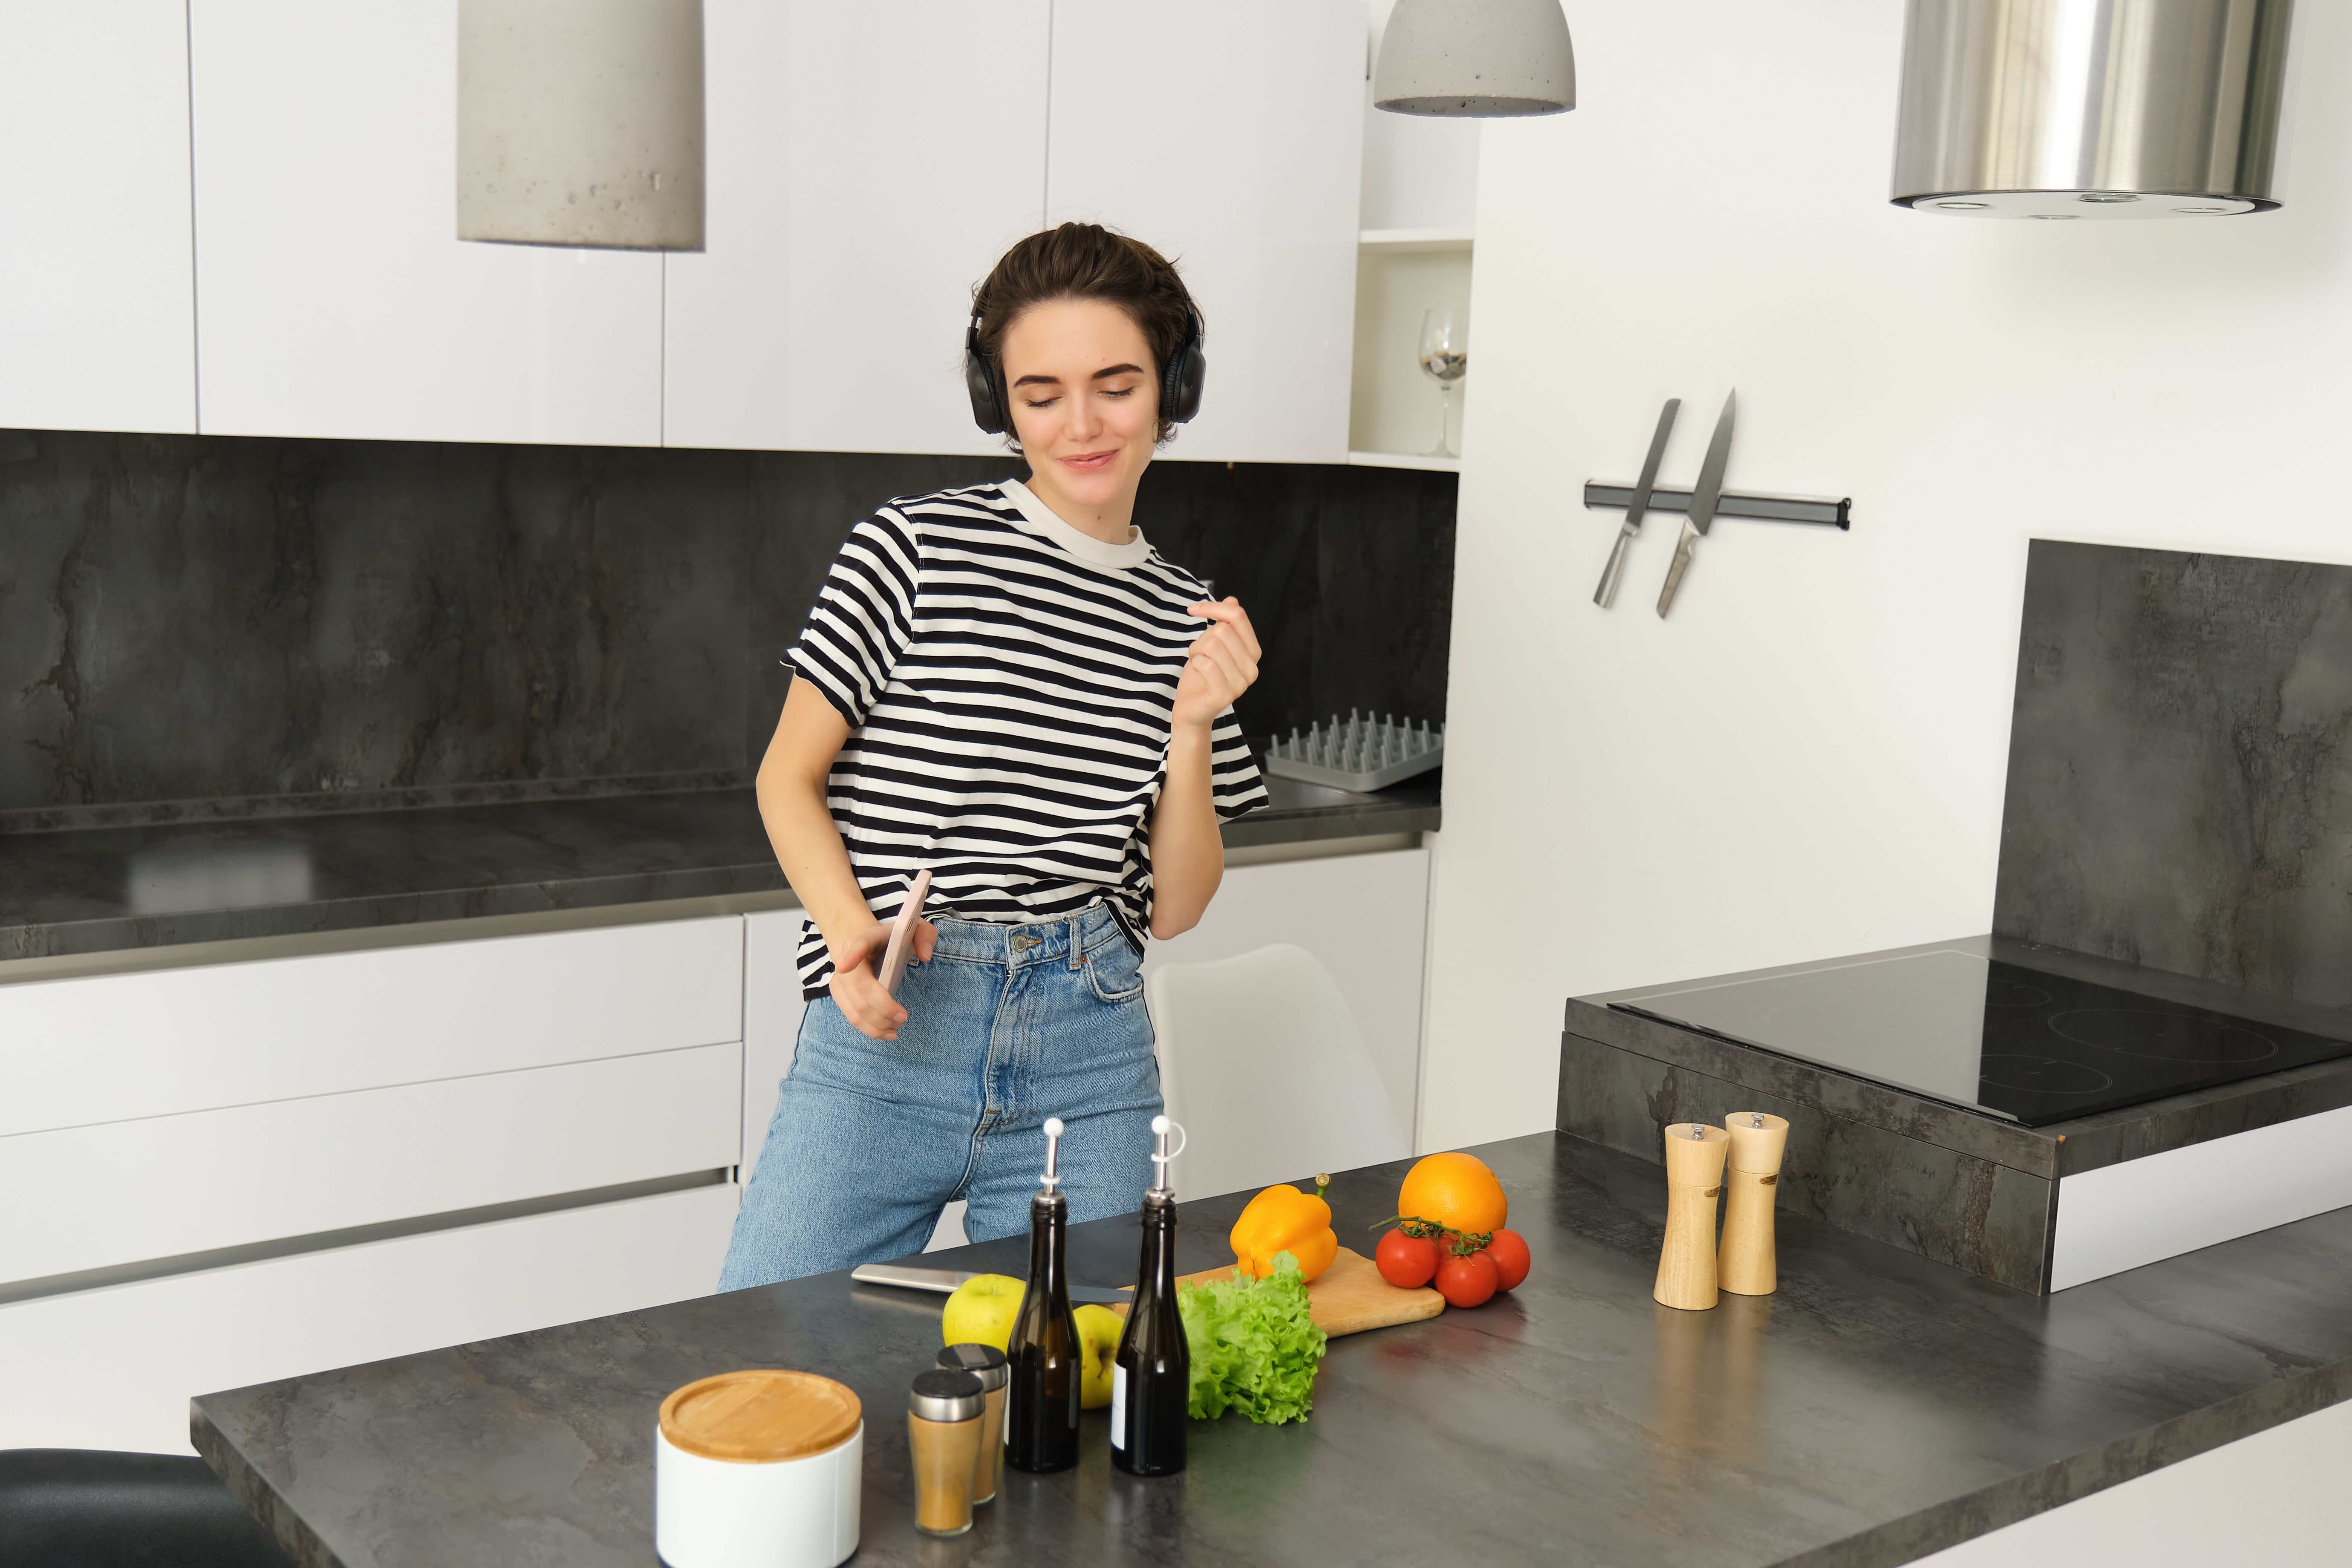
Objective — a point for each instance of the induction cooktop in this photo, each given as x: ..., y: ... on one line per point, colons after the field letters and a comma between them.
x: 2021, y: 1044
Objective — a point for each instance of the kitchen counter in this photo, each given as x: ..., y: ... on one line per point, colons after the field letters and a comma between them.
x: 109, y: 890
x: 1878, y: 1408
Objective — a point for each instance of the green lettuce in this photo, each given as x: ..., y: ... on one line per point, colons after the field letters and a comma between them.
x: 1253, y: 1346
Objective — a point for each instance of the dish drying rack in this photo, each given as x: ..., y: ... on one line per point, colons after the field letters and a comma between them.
x: 1356, y: 752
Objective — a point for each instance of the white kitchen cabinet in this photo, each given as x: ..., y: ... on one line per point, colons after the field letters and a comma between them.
x: 115, y: 1368
x: 867, y: 165
x: 83, y: 1050
x: 1366, y: 919
x: 97, y: 295
x: 1228, y: 135
x: 332, y: 297
x: 169, y: 1186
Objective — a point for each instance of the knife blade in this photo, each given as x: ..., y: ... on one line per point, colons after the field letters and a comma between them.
x: 1704, y: 495
x: 1637, y: 507
x: 945, y: 1281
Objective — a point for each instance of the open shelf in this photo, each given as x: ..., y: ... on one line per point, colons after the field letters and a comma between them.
x: 1405, y: 460
x: 1413, y: 241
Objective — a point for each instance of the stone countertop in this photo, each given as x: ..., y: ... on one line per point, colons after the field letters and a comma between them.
x: 114, y: 889
x: 1878, y: 1408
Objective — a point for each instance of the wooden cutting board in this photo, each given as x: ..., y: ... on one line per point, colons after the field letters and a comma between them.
x: 1349, y: 1297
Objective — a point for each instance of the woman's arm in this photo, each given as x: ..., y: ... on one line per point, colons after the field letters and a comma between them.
x: 1188, y: 853
x: 791, y: 789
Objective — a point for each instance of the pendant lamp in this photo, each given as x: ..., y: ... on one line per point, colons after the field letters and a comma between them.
x: 1476, y: 60
x: 580, y: 122
x: 2090, y: 108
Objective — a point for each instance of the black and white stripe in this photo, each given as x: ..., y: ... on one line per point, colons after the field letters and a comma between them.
x: 1008, y: 683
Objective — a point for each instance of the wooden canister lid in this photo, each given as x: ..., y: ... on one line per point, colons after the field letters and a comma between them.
x: 762, y: 1417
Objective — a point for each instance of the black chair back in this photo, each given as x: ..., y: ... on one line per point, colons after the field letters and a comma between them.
x: 89, y: 1508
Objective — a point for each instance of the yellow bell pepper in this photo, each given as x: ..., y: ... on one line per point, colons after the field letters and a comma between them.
x: 1284, y: 1219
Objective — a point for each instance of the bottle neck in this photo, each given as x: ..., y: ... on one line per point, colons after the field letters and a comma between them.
x: 1049, y: 1216
x: 1159, y: 1270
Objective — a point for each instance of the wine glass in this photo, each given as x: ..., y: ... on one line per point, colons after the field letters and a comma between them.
x: 1445, y: 357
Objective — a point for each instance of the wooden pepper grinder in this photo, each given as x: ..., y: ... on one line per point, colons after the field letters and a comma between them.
x: 1747, y: 1265
x: 1695, y: 1155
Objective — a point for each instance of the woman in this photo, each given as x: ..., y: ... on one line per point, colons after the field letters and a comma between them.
x: 1008, y: 687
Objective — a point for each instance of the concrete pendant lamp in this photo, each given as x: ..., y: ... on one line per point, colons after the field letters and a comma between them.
x: 1476, y: 60
x: 580, y: 122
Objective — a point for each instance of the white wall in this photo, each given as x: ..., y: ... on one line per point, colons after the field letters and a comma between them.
x: 1809, y: 758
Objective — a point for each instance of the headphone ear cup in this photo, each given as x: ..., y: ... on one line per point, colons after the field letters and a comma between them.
x: 980, y: 383
x: 1180, y: 388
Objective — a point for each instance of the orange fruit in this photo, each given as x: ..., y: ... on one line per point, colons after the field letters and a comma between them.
x: 1457, y: 1191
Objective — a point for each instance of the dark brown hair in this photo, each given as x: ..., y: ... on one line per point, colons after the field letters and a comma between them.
x: 1085, y: 262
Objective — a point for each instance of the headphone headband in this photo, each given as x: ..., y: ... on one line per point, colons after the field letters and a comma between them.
x: 1181, y: 379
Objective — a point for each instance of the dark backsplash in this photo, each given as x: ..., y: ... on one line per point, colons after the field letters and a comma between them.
x: 291, y: 624
x: 2181, y: 766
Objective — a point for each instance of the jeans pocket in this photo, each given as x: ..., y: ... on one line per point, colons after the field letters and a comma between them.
x: 1115, y: 972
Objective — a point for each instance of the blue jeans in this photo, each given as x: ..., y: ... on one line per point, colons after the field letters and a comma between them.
x: 1006, y: 1027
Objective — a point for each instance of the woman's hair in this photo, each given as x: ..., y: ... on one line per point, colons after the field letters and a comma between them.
x: 1085, y: 262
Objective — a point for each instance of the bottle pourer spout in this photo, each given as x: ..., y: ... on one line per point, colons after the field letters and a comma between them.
x: 1052, y: 1176
x: 1161, y: 1153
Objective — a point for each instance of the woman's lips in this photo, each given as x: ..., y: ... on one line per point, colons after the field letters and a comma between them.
x: 1087, y: 462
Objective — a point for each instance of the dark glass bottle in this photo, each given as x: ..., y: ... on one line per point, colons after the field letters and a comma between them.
x: 1151, y: 1377
x: 1040, y: 1410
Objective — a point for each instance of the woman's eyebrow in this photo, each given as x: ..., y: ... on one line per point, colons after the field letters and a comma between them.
x: 1118, y: 370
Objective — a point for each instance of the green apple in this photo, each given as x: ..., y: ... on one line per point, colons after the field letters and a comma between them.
x: 981, y: 1311
x: 1098, y: 1332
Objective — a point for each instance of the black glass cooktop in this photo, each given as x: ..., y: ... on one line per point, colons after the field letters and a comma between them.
x: 2021, y: 1043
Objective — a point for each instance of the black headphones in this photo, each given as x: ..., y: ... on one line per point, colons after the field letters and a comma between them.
x: 1179, y: 379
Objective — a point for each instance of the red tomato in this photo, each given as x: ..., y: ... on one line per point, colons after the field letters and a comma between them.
x: 1410, y: 1261
x: 1509, y: 1251
x: 1467, y: 1281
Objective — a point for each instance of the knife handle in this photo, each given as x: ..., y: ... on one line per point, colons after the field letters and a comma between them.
x: 1606, y: 594
x: 1683, y: 551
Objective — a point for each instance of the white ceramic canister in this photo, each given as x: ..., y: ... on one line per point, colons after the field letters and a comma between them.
x: 758, y: 1469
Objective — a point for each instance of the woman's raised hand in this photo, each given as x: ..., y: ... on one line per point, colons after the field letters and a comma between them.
x: 856, y: 990
x: 1222, y: 665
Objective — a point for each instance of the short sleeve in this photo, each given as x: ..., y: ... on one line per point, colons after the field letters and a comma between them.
x: 863, y: 617
x: 1235, y: 787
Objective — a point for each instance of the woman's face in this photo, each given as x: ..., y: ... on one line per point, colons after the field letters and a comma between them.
x: 1084, y: 400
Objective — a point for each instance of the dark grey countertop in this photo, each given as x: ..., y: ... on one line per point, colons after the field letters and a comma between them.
x: 1878, y: 1408
x: 112, y: 889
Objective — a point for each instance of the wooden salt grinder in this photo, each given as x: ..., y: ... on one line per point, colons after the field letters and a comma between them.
x: 1747, y: 1265
x: 1694, y: 1157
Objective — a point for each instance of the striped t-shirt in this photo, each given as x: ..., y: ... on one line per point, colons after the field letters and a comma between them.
x: 1008, y: 682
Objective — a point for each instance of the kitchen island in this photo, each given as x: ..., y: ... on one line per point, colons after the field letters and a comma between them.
x: 1878, y: 1408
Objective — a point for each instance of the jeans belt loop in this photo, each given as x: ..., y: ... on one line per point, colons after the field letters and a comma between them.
x: 1078, y: 952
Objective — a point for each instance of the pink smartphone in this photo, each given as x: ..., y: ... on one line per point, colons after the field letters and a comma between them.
x: 902, y: 935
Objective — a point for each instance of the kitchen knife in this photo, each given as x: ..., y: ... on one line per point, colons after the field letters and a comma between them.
x: 945, y: 1281
x: 1704, y: 495
x: 1638, y: 506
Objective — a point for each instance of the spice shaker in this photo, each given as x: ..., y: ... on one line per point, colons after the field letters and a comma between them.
x: 1694, y: 1157
x: 946, y: 1431
x: 989, y: 1365
x: 1746, y: 1264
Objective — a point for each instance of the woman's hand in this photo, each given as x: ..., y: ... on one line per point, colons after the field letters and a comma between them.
x: 857, y: 990
x: 1223, y: 665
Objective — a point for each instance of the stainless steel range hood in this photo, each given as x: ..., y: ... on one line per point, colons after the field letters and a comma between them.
x: 2090, y: 108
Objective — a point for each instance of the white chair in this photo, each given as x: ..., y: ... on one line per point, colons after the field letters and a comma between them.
x: 1262, y: 1062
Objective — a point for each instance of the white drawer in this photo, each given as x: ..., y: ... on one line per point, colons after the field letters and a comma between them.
x: 116, y: 1368
x: 126, y: 1192
x: 110, y: 1047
